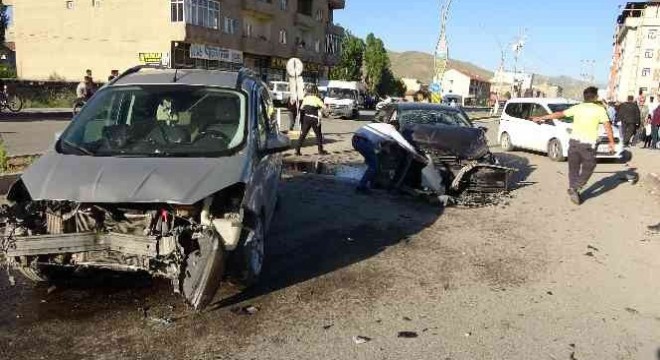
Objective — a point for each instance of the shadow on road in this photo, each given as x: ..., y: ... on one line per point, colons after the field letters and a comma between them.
x: 524, y: 169
x: 608, y: 184
x: 323, y: 226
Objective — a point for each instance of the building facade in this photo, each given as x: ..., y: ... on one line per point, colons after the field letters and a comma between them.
x: 473, y: 88
x: 635, y: 67
x: 58, y: 39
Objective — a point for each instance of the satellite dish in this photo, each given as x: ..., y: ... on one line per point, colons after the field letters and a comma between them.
x: 294, y: 67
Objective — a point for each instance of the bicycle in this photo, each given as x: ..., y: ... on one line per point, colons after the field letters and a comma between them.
x: 11, y: 102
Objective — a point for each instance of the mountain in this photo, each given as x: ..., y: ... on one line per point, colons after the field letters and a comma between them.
x: 419, y: 65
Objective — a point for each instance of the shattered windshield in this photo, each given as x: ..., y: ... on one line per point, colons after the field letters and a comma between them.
x: 433, y: 116
x: 341, y: 94
x: 158, y: 120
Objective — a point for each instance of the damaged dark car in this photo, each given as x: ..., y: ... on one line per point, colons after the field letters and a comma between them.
x: 459, y: 162
x: 167, y: 171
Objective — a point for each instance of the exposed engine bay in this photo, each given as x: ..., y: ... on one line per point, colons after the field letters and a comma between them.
x: 460, y: 166
x: 183, y: 243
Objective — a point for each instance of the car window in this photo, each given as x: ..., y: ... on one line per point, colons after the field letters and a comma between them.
x: 158, y: 120
x: 263, y: 121
x: 513, y: 110
x: 525, y: 111
x: 559, y: 107
x: 538, y: 110
x: 433, y: 116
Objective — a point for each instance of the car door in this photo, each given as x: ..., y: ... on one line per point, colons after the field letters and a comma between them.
x: 512, y: 123
x: 541, y: 135
x: 269, y: 166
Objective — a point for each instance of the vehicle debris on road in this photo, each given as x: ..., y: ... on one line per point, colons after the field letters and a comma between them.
x: 361, y: 339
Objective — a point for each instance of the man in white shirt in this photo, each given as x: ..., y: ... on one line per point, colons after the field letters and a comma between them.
x: 369, y: 140
x: 653, y: 104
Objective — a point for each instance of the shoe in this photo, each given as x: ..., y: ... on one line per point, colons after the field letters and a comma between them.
x: 655, y: 228
x: 575, y: 196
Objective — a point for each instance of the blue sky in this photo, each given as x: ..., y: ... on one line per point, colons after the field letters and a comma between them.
x: 560, y: 33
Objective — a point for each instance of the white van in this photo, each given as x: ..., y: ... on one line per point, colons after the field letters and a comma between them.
x: 279, y: 91
x: 552, y: 137
x: 344, y: 98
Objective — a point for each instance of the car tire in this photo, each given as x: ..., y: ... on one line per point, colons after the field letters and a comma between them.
x: 556, y: 151
x: 505, y: 142
x: 249, y: 256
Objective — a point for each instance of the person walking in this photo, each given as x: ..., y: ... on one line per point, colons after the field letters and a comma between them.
x: 630, y: 118
x: 587, y: 118
x: 648, y: 130
x: 310, y: 115
x: 655, y: 125
x: 369, y: 140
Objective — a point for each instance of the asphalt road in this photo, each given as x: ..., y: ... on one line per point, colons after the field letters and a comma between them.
x: 535, y: 278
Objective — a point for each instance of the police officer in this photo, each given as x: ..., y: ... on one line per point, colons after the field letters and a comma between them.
x: 310, y: 115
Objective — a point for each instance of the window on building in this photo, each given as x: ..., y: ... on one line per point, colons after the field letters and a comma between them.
x: 653, y: 34
x: 648, y: 53
x: 317, y: 46
x: 248, y: 30
x: 305, y: 7
x: 283, y: 37
x: 70, y: 5
x: 284, y: 5
x: 231, y: 25
x: 177, y: 11
x: 646, y: 71
x: 204, y: 13
x: 319, y: 15
x: 96, y: 3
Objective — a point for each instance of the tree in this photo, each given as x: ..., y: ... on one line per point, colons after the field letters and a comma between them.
x: 389, y: 85
x: 4, y: 21
x: 377, y: 63
x: 349, y: 67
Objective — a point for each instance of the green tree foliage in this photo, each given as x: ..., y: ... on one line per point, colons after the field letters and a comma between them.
x: 376, y: 63
x: 350, y: 63
x: 4, y: 21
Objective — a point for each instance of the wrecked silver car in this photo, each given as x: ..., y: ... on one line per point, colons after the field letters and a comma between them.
x: 460, y: 164
x: 170, y: 172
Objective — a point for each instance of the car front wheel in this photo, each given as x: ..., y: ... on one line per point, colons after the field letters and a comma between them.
x: 505, y: 142
x: 555, y: 151
x: 249, y: 257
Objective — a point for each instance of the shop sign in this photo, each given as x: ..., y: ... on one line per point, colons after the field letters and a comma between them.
x: 208, y: 52
x: 313, y: 67
x: 278, y: 63
x: 150, y: 58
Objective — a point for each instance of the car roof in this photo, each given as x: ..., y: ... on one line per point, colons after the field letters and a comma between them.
x: 542, y: 100
x: 423, y: 106
x: 149, y: 76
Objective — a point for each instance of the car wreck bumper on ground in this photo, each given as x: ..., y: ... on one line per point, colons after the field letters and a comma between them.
x: 460, y: 165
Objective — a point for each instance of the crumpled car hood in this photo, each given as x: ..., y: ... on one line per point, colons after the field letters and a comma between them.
x: 462, y: 142
x: 90, y: 179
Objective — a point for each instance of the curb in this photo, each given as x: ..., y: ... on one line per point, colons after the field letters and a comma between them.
x: 49, y: 115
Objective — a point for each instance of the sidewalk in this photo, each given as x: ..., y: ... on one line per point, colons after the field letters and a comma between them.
x: 37, y: 114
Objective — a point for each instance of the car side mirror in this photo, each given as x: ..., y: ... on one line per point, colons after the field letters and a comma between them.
x: 276, y: 143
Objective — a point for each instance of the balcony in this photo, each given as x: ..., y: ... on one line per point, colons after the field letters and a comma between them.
x: 309, y: 55
x: 282, y: 51
x: 335, y: 29
x: 306, y: 21
x: 259, y: 45
x: 259, y: 8
x: 337, y: 4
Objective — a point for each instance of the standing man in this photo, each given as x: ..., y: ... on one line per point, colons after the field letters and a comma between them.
x: 587, y: 118
x: 113, y: 75
x: 310, y: 115
x: 655, y: 125
x: 630, y: 118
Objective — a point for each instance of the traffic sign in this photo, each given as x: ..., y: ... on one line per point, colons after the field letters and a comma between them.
x: 435, y: 87
x: 294, y: 67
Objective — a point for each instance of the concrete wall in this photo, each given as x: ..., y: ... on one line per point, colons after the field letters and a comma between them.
x: 53, y: 41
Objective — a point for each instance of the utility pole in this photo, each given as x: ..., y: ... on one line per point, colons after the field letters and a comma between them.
x: 517, y: 47
x: 441, y: 54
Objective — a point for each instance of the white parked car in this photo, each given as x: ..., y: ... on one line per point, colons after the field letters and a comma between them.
x: 517, y: 131
x: 279, y: 91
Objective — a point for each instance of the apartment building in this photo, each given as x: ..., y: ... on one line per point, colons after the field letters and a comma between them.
x: 59, y: 39
x: 635, y: 67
